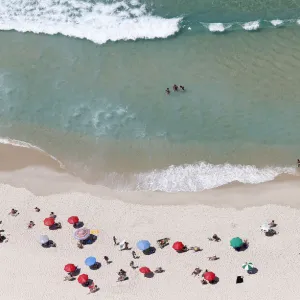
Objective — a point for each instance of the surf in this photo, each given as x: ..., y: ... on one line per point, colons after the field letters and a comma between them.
x: 97, y: 22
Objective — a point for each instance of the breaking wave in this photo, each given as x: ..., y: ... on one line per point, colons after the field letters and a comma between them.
x: 204, y: 176
x: 98, y: 22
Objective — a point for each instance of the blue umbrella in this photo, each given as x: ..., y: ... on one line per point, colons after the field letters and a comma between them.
x: 90, y: 261
x: 143, y: 245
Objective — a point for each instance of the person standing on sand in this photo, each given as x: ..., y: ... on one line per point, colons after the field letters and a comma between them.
x: 106, y: 259
x: 115, y: 241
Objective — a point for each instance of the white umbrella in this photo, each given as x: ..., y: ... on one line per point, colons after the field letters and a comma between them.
x: 44, y: 239
x: 265, y: 227
x: 248, y: 266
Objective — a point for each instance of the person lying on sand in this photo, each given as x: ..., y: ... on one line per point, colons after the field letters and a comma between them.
x: 159, y: 270
x: 272, y: 223
x: 31, y: 224
x: 195, y: 248
x: 13, y: 212
x: 122, y: 278
x: 93, y: 288
x: 52, y: 215
x: 79, y: 245
x: 203, y: 281
x: 69, y: 277
x: 214, y: 238
x: 196, y: 272
x: 132, y: 265
x: 37, y: 209
x: 122, y: 272
x: 213, y: 257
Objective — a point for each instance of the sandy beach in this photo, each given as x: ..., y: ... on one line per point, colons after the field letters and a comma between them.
x: 30, y: 271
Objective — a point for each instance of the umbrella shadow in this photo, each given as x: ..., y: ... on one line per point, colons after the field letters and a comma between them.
x: 78, y: 225
x: 55, y: 226
x: 252, y: 271
x: 149, y: 275
x: 244, y: 247
x: 90, y: 240
x: 96, y: 266
x: 76, y: 272
x: 49, y: 244
x: 270, y: 233
x: 215, y: 281
x: 149, y: 251
x: 89, y: 282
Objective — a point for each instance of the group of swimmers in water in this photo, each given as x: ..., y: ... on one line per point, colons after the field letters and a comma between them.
x: 175, y: 89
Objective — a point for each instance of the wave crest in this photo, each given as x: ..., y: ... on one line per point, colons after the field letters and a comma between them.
x: 97, y: 22
x: 204, y: 176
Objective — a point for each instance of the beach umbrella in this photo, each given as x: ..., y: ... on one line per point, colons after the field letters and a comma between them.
x: 83, y: 278
x: 143, y: 245
x: 145, y: 270
x: 70, y: 268
x: 265, y: 227
x: 73, y: 220
x: 209, y: 276
x: 49, y: 221
x: 178, y: 246
x: 81, y: 234
x: 236, y: 242
x: 44, y: 239
x: 248, y: 266
x: 90, y: 261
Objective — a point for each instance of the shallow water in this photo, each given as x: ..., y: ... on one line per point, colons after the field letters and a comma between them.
x: 102, y: 110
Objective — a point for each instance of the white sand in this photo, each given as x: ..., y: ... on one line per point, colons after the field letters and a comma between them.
x: 29, y: 271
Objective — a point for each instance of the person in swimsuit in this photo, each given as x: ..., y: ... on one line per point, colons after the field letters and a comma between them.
x: 175, y: 88
x: 168, y: 91
x: 182, y: 87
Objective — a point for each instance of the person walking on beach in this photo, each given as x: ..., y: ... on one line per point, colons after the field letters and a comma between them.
x: 115, y: 241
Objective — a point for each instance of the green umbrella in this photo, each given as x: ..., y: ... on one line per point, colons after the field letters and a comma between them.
x: 236, y: 242
x: 248, y: 266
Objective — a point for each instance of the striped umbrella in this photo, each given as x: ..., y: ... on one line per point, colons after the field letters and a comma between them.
x: 81, y: 234
x: 248, y: 266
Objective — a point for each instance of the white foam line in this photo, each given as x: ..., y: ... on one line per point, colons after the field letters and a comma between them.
x: 22, y: 144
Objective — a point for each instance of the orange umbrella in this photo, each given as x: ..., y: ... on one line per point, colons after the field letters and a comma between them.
x: 209, y: 276
x: 73, y: 220
x: 178, y: 246
x: 49, y: 221
x: 83, y: 278
x: 145, y: 270
x: 70, y: 268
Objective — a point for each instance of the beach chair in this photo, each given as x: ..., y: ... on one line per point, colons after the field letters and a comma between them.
x: 163, y: 242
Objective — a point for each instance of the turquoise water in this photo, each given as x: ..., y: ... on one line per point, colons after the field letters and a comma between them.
x: 100, y: 107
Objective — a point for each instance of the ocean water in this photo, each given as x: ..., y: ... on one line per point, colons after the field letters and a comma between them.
x: 85, y: 82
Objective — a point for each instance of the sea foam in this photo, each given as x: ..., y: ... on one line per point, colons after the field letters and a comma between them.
x: 250, y: 26
x: 203, y: 176
x: 97, y: 22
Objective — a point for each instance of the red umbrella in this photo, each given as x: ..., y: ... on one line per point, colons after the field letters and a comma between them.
x: 70, y: 268
x: 83, y: 278
x: 49, y: 221
x: 73, y: 220
x: 178, y: 246
x: 145, y: 270
x: 209, y: 276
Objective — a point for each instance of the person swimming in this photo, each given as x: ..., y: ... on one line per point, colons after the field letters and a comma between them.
x: 168, y: 91
x: 298, y: 163
x: 182, y: 87
x: 175, y: 88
